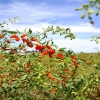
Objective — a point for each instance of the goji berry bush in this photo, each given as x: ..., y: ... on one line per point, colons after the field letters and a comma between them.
x: 48, y: 72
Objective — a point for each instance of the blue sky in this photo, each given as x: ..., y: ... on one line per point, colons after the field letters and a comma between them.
x: 38, y: 14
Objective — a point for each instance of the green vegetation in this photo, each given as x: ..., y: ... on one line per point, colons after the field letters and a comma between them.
x: 50, y: 73
x: 32, y: 77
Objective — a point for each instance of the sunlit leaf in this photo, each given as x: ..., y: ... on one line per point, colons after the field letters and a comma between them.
x: 83, y: 15
x: 90, y: 11
x: 78, y: 9
x: 11, y: 32
x: 85, y: 5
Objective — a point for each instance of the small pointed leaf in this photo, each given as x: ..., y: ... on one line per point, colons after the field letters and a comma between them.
x: 97, y: 13
x: 83, y: 15
x: 89, y: 17
x: 78, y: 9
x: 85, y: 5
x: 91, y: 0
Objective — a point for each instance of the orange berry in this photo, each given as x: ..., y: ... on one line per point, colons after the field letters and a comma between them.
x: 8, y: 82
x: 53, y: 78
x: 23, y: 35
x: 53, y: 90
x: 1, y: 35
x: 88, y: 63
x: 17, y: 38
x: 33, y: 39
x: 0, y: 85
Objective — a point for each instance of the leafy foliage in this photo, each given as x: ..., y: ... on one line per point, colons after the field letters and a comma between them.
x: 48, y: 72
x: 92, y: 7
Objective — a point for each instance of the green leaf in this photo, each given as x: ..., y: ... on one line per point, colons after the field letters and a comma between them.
x: 53, y: 32
x: 91, y: 0
x: 7, y: 31
x: 89, y: 17
x: 68, y: 29
x: 54, y: 46
x: 96, y: 41
x: 23, y: 77
x: 99, y: 1
x: 97, y: 13
x: 83, y: 16
x: 48, y: 29
x: 62, y: 49
x: 90, y: 11
x: 66, y: 36
x: 45, y: 35
x: 30, y: 31
x: 61, y: 33
x: 52, y: 27
x: 78, y: 9
x: 85, y: 5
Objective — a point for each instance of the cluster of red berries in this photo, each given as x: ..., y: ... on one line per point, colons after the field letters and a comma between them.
x: 74, y: 60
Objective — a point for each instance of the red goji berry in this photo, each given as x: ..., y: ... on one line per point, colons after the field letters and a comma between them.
x: 48, y: 47
x: 30, y: 45
x: 59, y: 56
x: 73, y: 57
x: 17, y: 38
x: 53, y: 78
x: 48, y: 74
x: 75, y: 64
x: 8, y: 82
x: 3, y: 48
x: 44, y: 52
x: 51, y: 51
x: 0, y: 85
x: 1, y: 35
x: 39, y: 47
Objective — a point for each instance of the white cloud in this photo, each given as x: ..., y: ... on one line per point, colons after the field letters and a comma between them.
x: 79, y: 28
x: 83, y: 28
x: 36, y: 27
x: 78, y: 45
